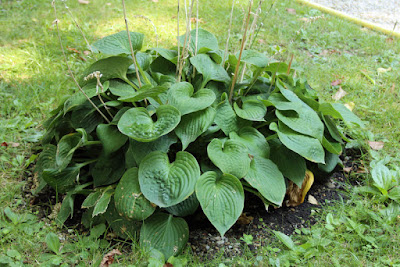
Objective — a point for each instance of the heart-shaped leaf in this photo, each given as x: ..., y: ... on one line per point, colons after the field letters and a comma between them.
x: 171, y: 55
x: 78, y: 99
x: 296, y: 114
x: 230, y: 157
x: 186, y: 207
x: 254, y: 58
x: 139, y: 150
x: 210, y: 70
x: 252, y: 110
x: 201, y: 39
x: 164, y: 183
x: 118, y: 43
x: 254, y: 140
x: 108, y: 169
x: 181, y: 96
x: 122, y: 226
x: 129, y: 200
x: 221, y: 198
x: 308, y: 147
x: 164, y: 233
x: 86, y: 116
x: 109, y: 68
x: 265, y: 176
x: 144, y: 93
x: 193, y: 125
x: 111, y: 138
x: 292, y: 165
x: 138, y: 124
x: 226, y: 117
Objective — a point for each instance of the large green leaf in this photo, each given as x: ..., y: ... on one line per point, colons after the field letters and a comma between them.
x: 265, y: 176
x: 226, y: 117
x: 308, y: 147
x: 78, y: 99
x: 193, y: 125
x: 164, y: 233
x: 111, y: 138
x: 171, y: 55
x: 186, y: 207
x: 62, y: 180
x: 129, y: 199
x: 164, y: 183
x: 66, y: 148
x: 46, y: 159
x: 210, y: 70
x: 255, y: 58
x: 119, y: 88
x: 252, y: 110
x: 340, y: 111
x: 292, y: 165
x: 122, y: 226
x: 296, y: 114
x: 230, y: 157
x: 109, y: 68
x: 221, y: 198
x: 331, y: 161
x: 139, y: 150
x: 181, y: 95
x: 86, y: 116
x: 254, y: 140
x: 103, y: 201
x: 118, y: 43
x: 138, y: 124
x: 143, y: 93
x: 331, y: 146
x: 143, y: 60
x: 205, y: 40
x: 108, y: 169
x: 91, y: 199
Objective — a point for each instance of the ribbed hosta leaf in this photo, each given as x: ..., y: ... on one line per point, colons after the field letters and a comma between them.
x: 165, y: 233
x: 108, y: 169
x: 210, y: 70
x: 332, y: 146
x: 230, y: 157
x: 252, y: 110
x: 340, y: 111
x: 129, y: 200
x: 193, y: 125
x: 186, y: 207
x: 296, y: 114
x: 46, y: 159
x: 306, y: 146
x: 181, y: 95
x: 265, y: 176
x: 255, y: 58
x: 254, y: 140
x: 201, y: 39
x: 61, y: 180
x: 144, y: 92
x: 66, y: 148
x: 164, y: 183
x: 109, y: 68
x: 292, y: 165
x: 122, y: 226
x: 118, y: 43
x: 226, y: 117
x: 138, y: 124
x: 110, y: 137
x: 221, y: 198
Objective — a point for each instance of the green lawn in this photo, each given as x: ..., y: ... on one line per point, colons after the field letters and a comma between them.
x: 33, y: 79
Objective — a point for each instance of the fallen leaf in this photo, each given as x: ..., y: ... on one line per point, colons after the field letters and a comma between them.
x: 194, y: 20
x: 108, y: 259
x: 12, y: 144
x: 73, y: 50
x: 304, y: 19
x: 339, y: 94
x: 244, y: 219
x: 389, y: 40
x: 312, y: 200
x: 291, y: 11
x: 376, y: 145
x: 297, y: 195
x: 336, y: 82
x: 347, y: 169
x: 86, y: 52
x: 4, y: 144
x: 350, y: 105
x: 383, y: 70
x: 168, y: 265
x: 83, y: 2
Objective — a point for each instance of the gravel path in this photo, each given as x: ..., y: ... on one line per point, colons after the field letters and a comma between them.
x: 385, y: 13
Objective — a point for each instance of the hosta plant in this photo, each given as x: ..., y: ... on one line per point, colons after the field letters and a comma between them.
x: 165, y: 133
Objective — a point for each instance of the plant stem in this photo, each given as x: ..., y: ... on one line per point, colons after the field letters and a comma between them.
x: 69, y: 69
x: 240, y: 54
x: 179, y: 50
x: 229, y: 33
x: 130, y: 44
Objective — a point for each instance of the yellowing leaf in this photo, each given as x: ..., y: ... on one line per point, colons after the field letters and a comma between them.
x: 350, y: 105
x: 339, y: 94
x: 376, y: 145
x: 297, y: 195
